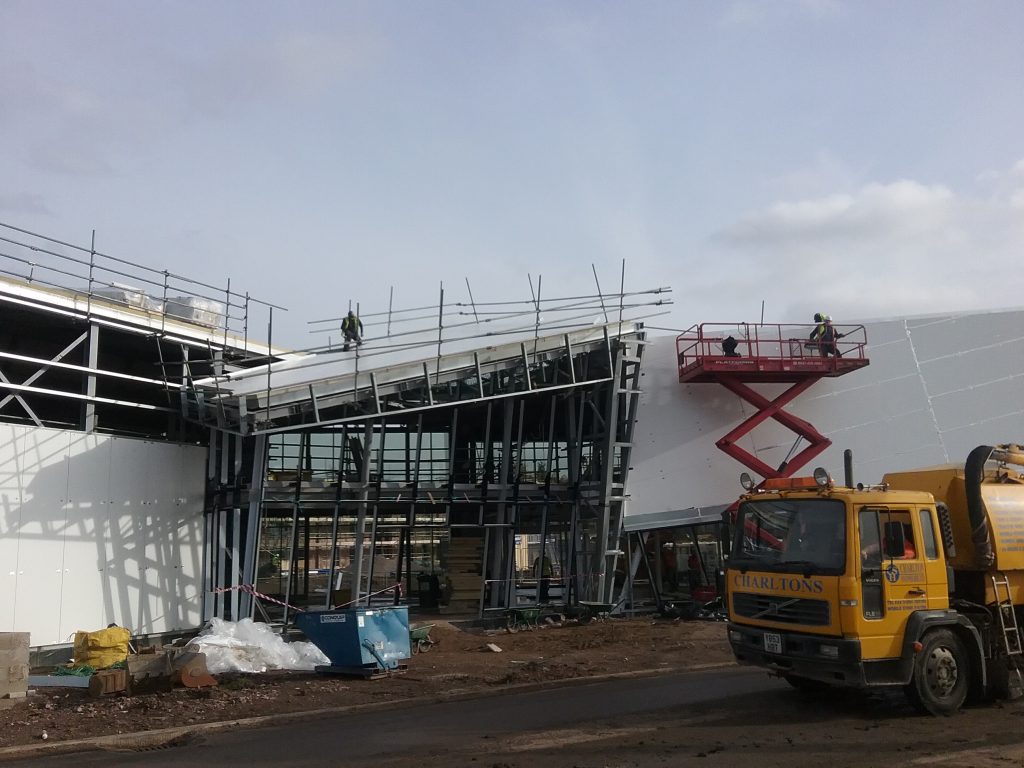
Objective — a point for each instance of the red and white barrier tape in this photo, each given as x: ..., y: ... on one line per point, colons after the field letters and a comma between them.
x: 250, y: 590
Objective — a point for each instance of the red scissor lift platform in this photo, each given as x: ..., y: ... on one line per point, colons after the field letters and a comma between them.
x: 768, y: 354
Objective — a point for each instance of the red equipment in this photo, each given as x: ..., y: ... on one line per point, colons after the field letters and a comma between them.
x: 767, y: 354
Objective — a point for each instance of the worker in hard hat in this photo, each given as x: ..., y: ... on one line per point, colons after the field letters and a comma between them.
x: 828, y: 339
x: 814, y: 341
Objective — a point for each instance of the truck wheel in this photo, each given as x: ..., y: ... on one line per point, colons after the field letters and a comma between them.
x: 941, y: 674
x: 805, y: 685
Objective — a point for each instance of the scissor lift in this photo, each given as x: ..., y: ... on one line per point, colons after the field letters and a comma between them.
x: 768, y: 354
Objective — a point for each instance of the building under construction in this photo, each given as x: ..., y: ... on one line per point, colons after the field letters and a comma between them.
x: 168, y: 466
x: 435, y: 462
x: 159, y: 466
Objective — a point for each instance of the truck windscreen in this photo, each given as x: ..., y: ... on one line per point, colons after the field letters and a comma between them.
x: 791, y: 536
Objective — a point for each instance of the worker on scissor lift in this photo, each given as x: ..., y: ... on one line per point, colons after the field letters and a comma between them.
x: 817, y: 339
x: 828, y: 339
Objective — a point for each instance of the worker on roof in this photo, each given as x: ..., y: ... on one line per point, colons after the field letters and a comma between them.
x: 352, y: 329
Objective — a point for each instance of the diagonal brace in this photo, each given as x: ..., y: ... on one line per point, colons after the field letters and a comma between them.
x: 772, y: 409
x: 56, y: 359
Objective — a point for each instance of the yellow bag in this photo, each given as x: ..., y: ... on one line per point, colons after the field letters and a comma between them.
x: 103, y: 648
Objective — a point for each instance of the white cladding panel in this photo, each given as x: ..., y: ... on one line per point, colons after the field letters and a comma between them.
x: 40, y: 459
x: 98, y: 529
x: 85, y: 531
x: 936, y: 388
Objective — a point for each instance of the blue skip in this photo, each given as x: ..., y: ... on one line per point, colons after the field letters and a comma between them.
x: 359, y: 641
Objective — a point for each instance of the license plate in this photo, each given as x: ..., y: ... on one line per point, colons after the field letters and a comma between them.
x: 772, y: 642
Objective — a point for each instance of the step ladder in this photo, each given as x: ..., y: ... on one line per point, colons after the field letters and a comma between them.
x: 1008, y: 625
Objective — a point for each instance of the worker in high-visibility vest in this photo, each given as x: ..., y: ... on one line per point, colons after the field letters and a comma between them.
x: 814, y: 341
x: 352, y: 328
x: 827, y: 339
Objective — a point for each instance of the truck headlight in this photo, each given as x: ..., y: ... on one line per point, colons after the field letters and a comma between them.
x: 829, y: 651
x: 736, y: 637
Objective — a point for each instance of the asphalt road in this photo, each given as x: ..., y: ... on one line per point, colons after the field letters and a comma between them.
x: 426, y: 733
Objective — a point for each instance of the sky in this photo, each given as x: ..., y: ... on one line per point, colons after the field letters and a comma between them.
x: 865, y: 159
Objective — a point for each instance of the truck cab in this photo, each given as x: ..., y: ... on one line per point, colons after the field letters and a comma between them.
x: 848, y: 587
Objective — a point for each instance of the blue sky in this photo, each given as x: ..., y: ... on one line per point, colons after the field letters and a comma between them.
x: 863, y: 158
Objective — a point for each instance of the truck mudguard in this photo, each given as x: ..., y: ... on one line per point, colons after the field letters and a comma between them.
x: 922, y: 621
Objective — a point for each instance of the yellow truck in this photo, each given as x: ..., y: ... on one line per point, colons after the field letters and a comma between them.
x: 916, y: 583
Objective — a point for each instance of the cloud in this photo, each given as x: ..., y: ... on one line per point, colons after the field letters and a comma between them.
x: 876, y: 212
x: 883, y: 250
x: 24, y: 204
x: 303, y: 66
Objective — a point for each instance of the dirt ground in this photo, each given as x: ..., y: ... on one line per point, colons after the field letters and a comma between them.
x: 459, y: 662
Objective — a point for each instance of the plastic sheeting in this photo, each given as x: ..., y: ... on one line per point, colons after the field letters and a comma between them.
x: 249, y: 646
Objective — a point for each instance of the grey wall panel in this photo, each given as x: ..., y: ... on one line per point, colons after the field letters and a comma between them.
x: 129, y: 523
x: 10, y: 525
x: 894, y: 357
x: 986, y: 432
x: 886, y: 332
x: 190, y: 498
x: 936, y: 387
x: 984, y: 403
x: 104, y: 529
x: 972, y: 368
x: 86, y: 531
x: 41, y: 459
x: 936, y: 337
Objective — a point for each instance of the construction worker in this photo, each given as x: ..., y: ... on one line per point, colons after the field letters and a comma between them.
x: 828, y: 339
x: 819, y: 328
x: 815, y: 340
x: 352, y: 328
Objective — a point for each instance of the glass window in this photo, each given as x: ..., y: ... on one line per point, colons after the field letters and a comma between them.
x: 931, y: 549
x: 870, y: 540
x: 909, y: 549
x: 792, y: 535
x: 871, y: 564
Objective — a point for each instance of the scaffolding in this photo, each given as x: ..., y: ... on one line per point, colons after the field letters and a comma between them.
x: 113, y: 343
x: 436, y: 460
x: 462, y: 444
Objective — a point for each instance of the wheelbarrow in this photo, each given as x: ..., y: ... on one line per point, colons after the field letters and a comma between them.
x: 522, y: 618
x: 419, y: 638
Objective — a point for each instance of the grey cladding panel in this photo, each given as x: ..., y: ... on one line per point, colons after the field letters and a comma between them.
x: 963, y: 333
x: 887, y: 361
x: 983, y: 403
x: 885, y: 333
x: 975, y: 368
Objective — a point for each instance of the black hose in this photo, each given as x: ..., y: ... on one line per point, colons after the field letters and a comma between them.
x: 974, y: 475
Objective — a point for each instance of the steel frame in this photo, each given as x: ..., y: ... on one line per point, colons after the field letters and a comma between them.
x: 492, y: 504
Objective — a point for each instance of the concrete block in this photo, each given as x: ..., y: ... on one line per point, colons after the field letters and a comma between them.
x: 13, y: 664
x: 14, y: 641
